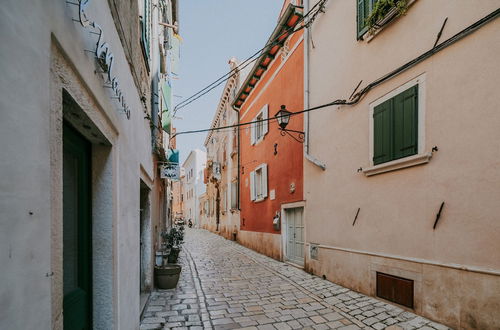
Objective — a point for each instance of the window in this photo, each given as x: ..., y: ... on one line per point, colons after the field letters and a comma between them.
x: 395, y: 127
x: 223, y: 202
x: 258, y: 183
x: 234, y: 195
x: 258, y: 130
x: 145, y: 22
x: 234, y: 149
x: 365, y: 7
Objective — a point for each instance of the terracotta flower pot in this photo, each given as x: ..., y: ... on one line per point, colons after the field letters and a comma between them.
x: 166, y: 277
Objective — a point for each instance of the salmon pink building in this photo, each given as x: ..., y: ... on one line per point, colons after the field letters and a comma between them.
x: 271, y: 164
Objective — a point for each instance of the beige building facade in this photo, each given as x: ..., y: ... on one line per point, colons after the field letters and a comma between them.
x: 81, y: 199
x: 220, y: 205
x: 402, y: 181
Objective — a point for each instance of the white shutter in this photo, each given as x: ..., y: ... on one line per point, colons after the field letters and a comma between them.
x: 252, y: 186
x: 252, y: 134
x: 265, y: 115
x: 264, y: 181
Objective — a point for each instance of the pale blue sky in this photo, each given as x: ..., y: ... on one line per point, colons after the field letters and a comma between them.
x: 213, y: 31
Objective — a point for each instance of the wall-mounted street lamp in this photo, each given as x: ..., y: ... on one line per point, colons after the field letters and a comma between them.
x: 283, y: 117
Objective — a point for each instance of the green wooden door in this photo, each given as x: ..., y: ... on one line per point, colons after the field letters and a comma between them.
x: 77, y: 249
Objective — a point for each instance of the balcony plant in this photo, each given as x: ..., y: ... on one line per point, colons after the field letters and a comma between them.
x: 383, y: 11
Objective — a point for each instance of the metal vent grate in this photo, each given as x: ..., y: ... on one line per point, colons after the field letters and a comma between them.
x: 396, y: 289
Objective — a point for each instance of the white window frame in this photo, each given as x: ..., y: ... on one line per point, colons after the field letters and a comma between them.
x: 421, y: 157
x: 258, y: 184
x: 234, y: 195
x: 262, y: 127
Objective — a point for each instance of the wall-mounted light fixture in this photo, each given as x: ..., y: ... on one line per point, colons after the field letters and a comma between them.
x: 283, y: 117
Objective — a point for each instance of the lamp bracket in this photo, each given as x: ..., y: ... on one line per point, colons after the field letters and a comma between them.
x: 300, y: 135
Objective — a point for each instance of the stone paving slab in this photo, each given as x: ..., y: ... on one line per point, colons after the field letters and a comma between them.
x: 224, y: 285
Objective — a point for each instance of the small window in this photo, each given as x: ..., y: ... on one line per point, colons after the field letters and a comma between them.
x: 395, y: 127
x: 234, y: 195
x: 258, y: 183
x: 365, y: 7
x: 145, y: 22
x: 260, y: 128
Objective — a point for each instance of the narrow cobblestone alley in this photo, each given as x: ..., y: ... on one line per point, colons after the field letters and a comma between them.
x: 224, y: 285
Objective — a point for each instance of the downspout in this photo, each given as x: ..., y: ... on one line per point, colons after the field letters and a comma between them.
x: 239, y: 161
x: 307, y: 142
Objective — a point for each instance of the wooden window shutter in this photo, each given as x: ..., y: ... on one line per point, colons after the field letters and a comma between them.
x: 265, y: 124
x: 252, y: 132
x: 406, y: 123
x: 252, y: 186
x: 363, y: 10
x: 264, y: 181
x: 382, y: 132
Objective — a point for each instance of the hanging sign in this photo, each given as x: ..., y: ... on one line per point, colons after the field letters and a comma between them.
x: 104, y: 56
x: 170, y: 171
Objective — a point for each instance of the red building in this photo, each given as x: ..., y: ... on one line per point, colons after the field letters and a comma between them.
x: 271, y: 164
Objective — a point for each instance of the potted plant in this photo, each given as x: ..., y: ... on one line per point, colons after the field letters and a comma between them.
x: 167, y: 275
x: 173, y: 241
x: 383, y: 11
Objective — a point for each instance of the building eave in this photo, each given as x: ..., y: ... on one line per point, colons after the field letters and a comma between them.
x: 288, y: 20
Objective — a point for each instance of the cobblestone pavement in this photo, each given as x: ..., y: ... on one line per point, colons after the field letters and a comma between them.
x: 224, y: 285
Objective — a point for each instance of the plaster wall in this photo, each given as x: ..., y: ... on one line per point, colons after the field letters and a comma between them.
x: 222, y: 148
x: 281, y: 84
x: 44, y: 53
x: 398, y: 208
x: 265, y: 243
x: 194, y: 163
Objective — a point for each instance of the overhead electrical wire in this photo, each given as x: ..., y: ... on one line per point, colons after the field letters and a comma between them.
x: 250, y: 59
x: 359, y: 95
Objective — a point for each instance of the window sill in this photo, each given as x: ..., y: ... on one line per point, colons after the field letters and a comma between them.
x: 398, y: 164
x: 258, y: 200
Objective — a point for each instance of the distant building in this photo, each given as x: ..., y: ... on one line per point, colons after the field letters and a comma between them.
x: 192, y: 184
x: 178, y: 198
x: 271, y: 165
x: 222, y: 167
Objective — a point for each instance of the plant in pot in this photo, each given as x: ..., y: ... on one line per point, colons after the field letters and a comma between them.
x: 167, y: 275
x: 173, y: 240
x: 383, y: 11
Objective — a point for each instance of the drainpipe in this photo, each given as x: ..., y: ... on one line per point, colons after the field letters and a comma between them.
x: 307, y: 142
x: 239, y: 161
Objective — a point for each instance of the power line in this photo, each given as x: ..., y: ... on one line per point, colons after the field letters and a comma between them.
x: 357, y: 97
x: 249, y: 60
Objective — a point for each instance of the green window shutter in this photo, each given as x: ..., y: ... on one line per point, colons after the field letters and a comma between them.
x: 406, y: 123
x: 364, y: 8
x: 146, y: 27
x: 382, y: 132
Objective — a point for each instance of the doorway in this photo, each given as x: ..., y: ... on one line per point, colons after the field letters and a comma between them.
x: 294, y: 249
x: 77, y: 229
x: 145, y: 247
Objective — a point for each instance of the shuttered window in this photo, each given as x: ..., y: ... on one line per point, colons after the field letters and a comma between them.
x: 145, y: 22
x: 364, y: 9
x: 258, y: 183
x: 395, y: 127
x: 261, y: 127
